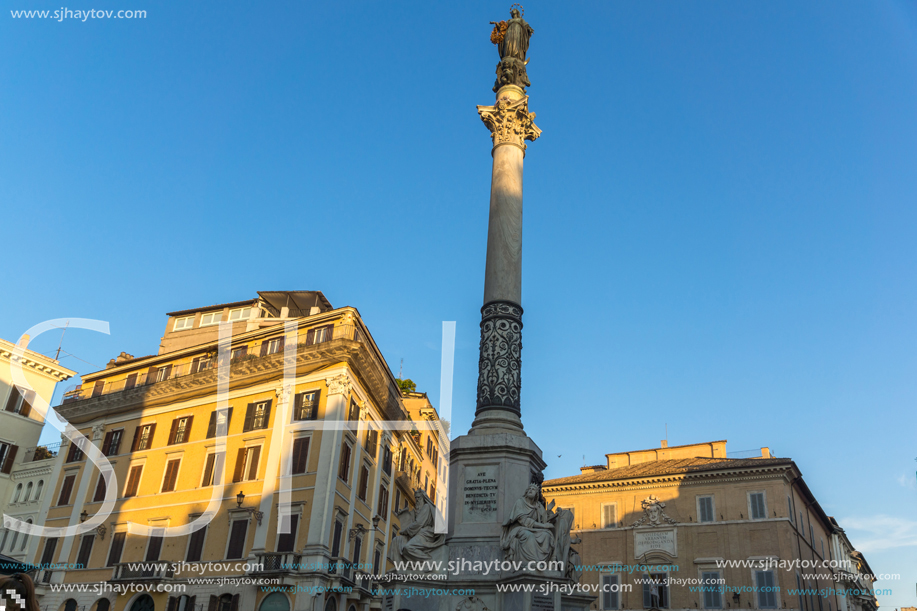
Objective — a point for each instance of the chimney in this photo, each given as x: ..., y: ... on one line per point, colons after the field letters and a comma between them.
x: 665, y: 443
x: 766, y: 453
x: 284, y: 312
x: 24, y: 341
x: 315, y: 310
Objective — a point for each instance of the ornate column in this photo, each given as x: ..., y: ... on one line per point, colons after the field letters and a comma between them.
x: 500, y: 364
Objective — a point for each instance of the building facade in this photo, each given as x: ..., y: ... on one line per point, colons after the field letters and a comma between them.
x: 25, y: 468
x: 309, y: 406
x: 718, y: 528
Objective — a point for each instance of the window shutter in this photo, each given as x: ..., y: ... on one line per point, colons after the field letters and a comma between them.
x: 47, y: 557
x: 208, y: 470
x: 130, y: 382
x: 188, y: 424
x: 336, y: 540
x: 297, y: 406
x: 212, y: 425
x: 240, y: 464
x: 10, y: 457
x: 267, y: 414
x: 117, y: 545
x: 281, y: 344
x: 300, y: 455
x: 154, y: 547
x: 191, y: 606
x: 196, y: 545
x: 136, y: 441
x: 26, y: 408
x: 264, y: 346
x: 235, y: 602
x: 65, y: 490
x: 172, y: 432
x: 173, y: 604
x: 607, y: 580
x: 85, y: 550
x: 106, y: 443
x: 310, y: 337
x: 168, y: 484
x: 249, y: 417
x: 214, y: 601
x: 287, y: 541
x: 99, y: 495
x: 133, y: 481
x: 237, y: 539
x: 151, y: 374
x: 647, y: 597
x: 253, y: 463
x: 344, y: 467
x: 168, y: 372
x: 313, y: 414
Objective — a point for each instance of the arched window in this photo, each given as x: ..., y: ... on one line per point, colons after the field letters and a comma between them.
x: 144, y: 603
x: 6, y: 534
x: 275, y: 602
x: 331, y: 604
x: 41, y: 484
x: 28, y: 493
x: 18, y: 493
x: 225, y: 603
x: 13, y: 542
x: 69, y: 605
x: 102, y: 605
x: 25, y: 537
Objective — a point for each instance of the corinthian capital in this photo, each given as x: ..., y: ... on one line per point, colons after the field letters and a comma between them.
x: 338, y: 385
x: 510, y: 122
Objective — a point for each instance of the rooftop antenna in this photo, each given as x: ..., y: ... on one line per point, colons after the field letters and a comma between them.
x: 401, y: 370
x: 61, y: 342
x: 667, y: 433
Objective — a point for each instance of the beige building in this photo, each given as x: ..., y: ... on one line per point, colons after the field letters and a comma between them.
x: 25, y: 470
x: 315, y: 425
x: 690, y: 510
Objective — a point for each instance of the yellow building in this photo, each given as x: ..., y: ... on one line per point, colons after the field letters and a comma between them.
x: 701, y: 518
x: 309, y: 404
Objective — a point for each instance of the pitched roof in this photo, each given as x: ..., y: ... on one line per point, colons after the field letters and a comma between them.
x: 676, y: 466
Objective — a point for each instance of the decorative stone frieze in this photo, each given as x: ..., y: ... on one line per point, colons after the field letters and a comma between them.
x: 500, y: 364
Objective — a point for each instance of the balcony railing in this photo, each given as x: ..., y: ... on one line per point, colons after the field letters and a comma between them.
x: 276, y: 562
x: 44, y: 452
x: 130, y: 571
x: 155, y: 375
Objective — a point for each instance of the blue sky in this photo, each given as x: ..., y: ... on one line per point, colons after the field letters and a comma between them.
x: 719, y: 216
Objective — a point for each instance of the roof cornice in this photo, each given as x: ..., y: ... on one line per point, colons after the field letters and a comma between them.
x: 39, y: 363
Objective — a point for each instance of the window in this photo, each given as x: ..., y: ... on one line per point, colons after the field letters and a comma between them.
x: 103, y: 605
x: 377, y: 561
x: 133, y: 481
x: 757, y: 508
x: 802, y: 524
x: 25, y: 538
x: 257, y: 415
x: 397, y: 499
x: 372, y: 442
x: 705, y: 509
x: 154, y: 545
x: 143, y: 437
x: 82, y: 558
x: 382, y: 507
x: 211, y: 318
x: 98, y: 388
x: 713, y: 597
x: 656, y: 591
x: 353, y: 415
x: 7, y: 457
x: 319, y: 335
x: 363, y: 486
x: 344, y: 467
x: 610, y: 590
x: 305, y: 405
x: 767, y: 595
x: 162, y: 373
x: 300, y: 455
x: 271, y: 346
x: 357, y: 550
x: 811, y: 535
x: 237, y: 535
x: 185, y: 322
x: 38, y: 489
x: 74, y: 453
x: 240, y: 314
x: 609, y: 515
x: 239, y: 353
x: 28, y: 494
x: 181, y: 430
x: 171, y: 475
x: 201, y: 363
x: 789, y: 509
x: 117, y: 546
x: 247, y: 464
x: 286, y: 542
x: 387, y: 460
x: 19, y: 403
x: 336, y: 539
x: 18, y: 493
x: 822, y: 540
x: 210, y: 470
x: 130, y: 382
x: 111, y: 445
x: 99, y: 494
x: 47, y: 556
x: 196, y: 545
x: 65, y: 490
x: 219, y: 422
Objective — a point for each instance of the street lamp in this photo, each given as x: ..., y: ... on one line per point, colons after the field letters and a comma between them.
x: 240, y: 498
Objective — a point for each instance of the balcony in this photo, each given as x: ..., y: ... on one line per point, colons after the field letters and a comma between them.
x: 44, y: 452
x: 143, y: 571
x: 166, y: 373
x: 278, y: 562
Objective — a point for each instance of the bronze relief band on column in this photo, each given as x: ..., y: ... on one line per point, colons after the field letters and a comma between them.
x: 500, y: 367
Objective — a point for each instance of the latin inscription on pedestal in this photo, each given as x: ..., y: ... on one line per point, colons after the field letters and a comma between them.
x: 479, y: 494
x: 655, y: 540
x: 542, y: 602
